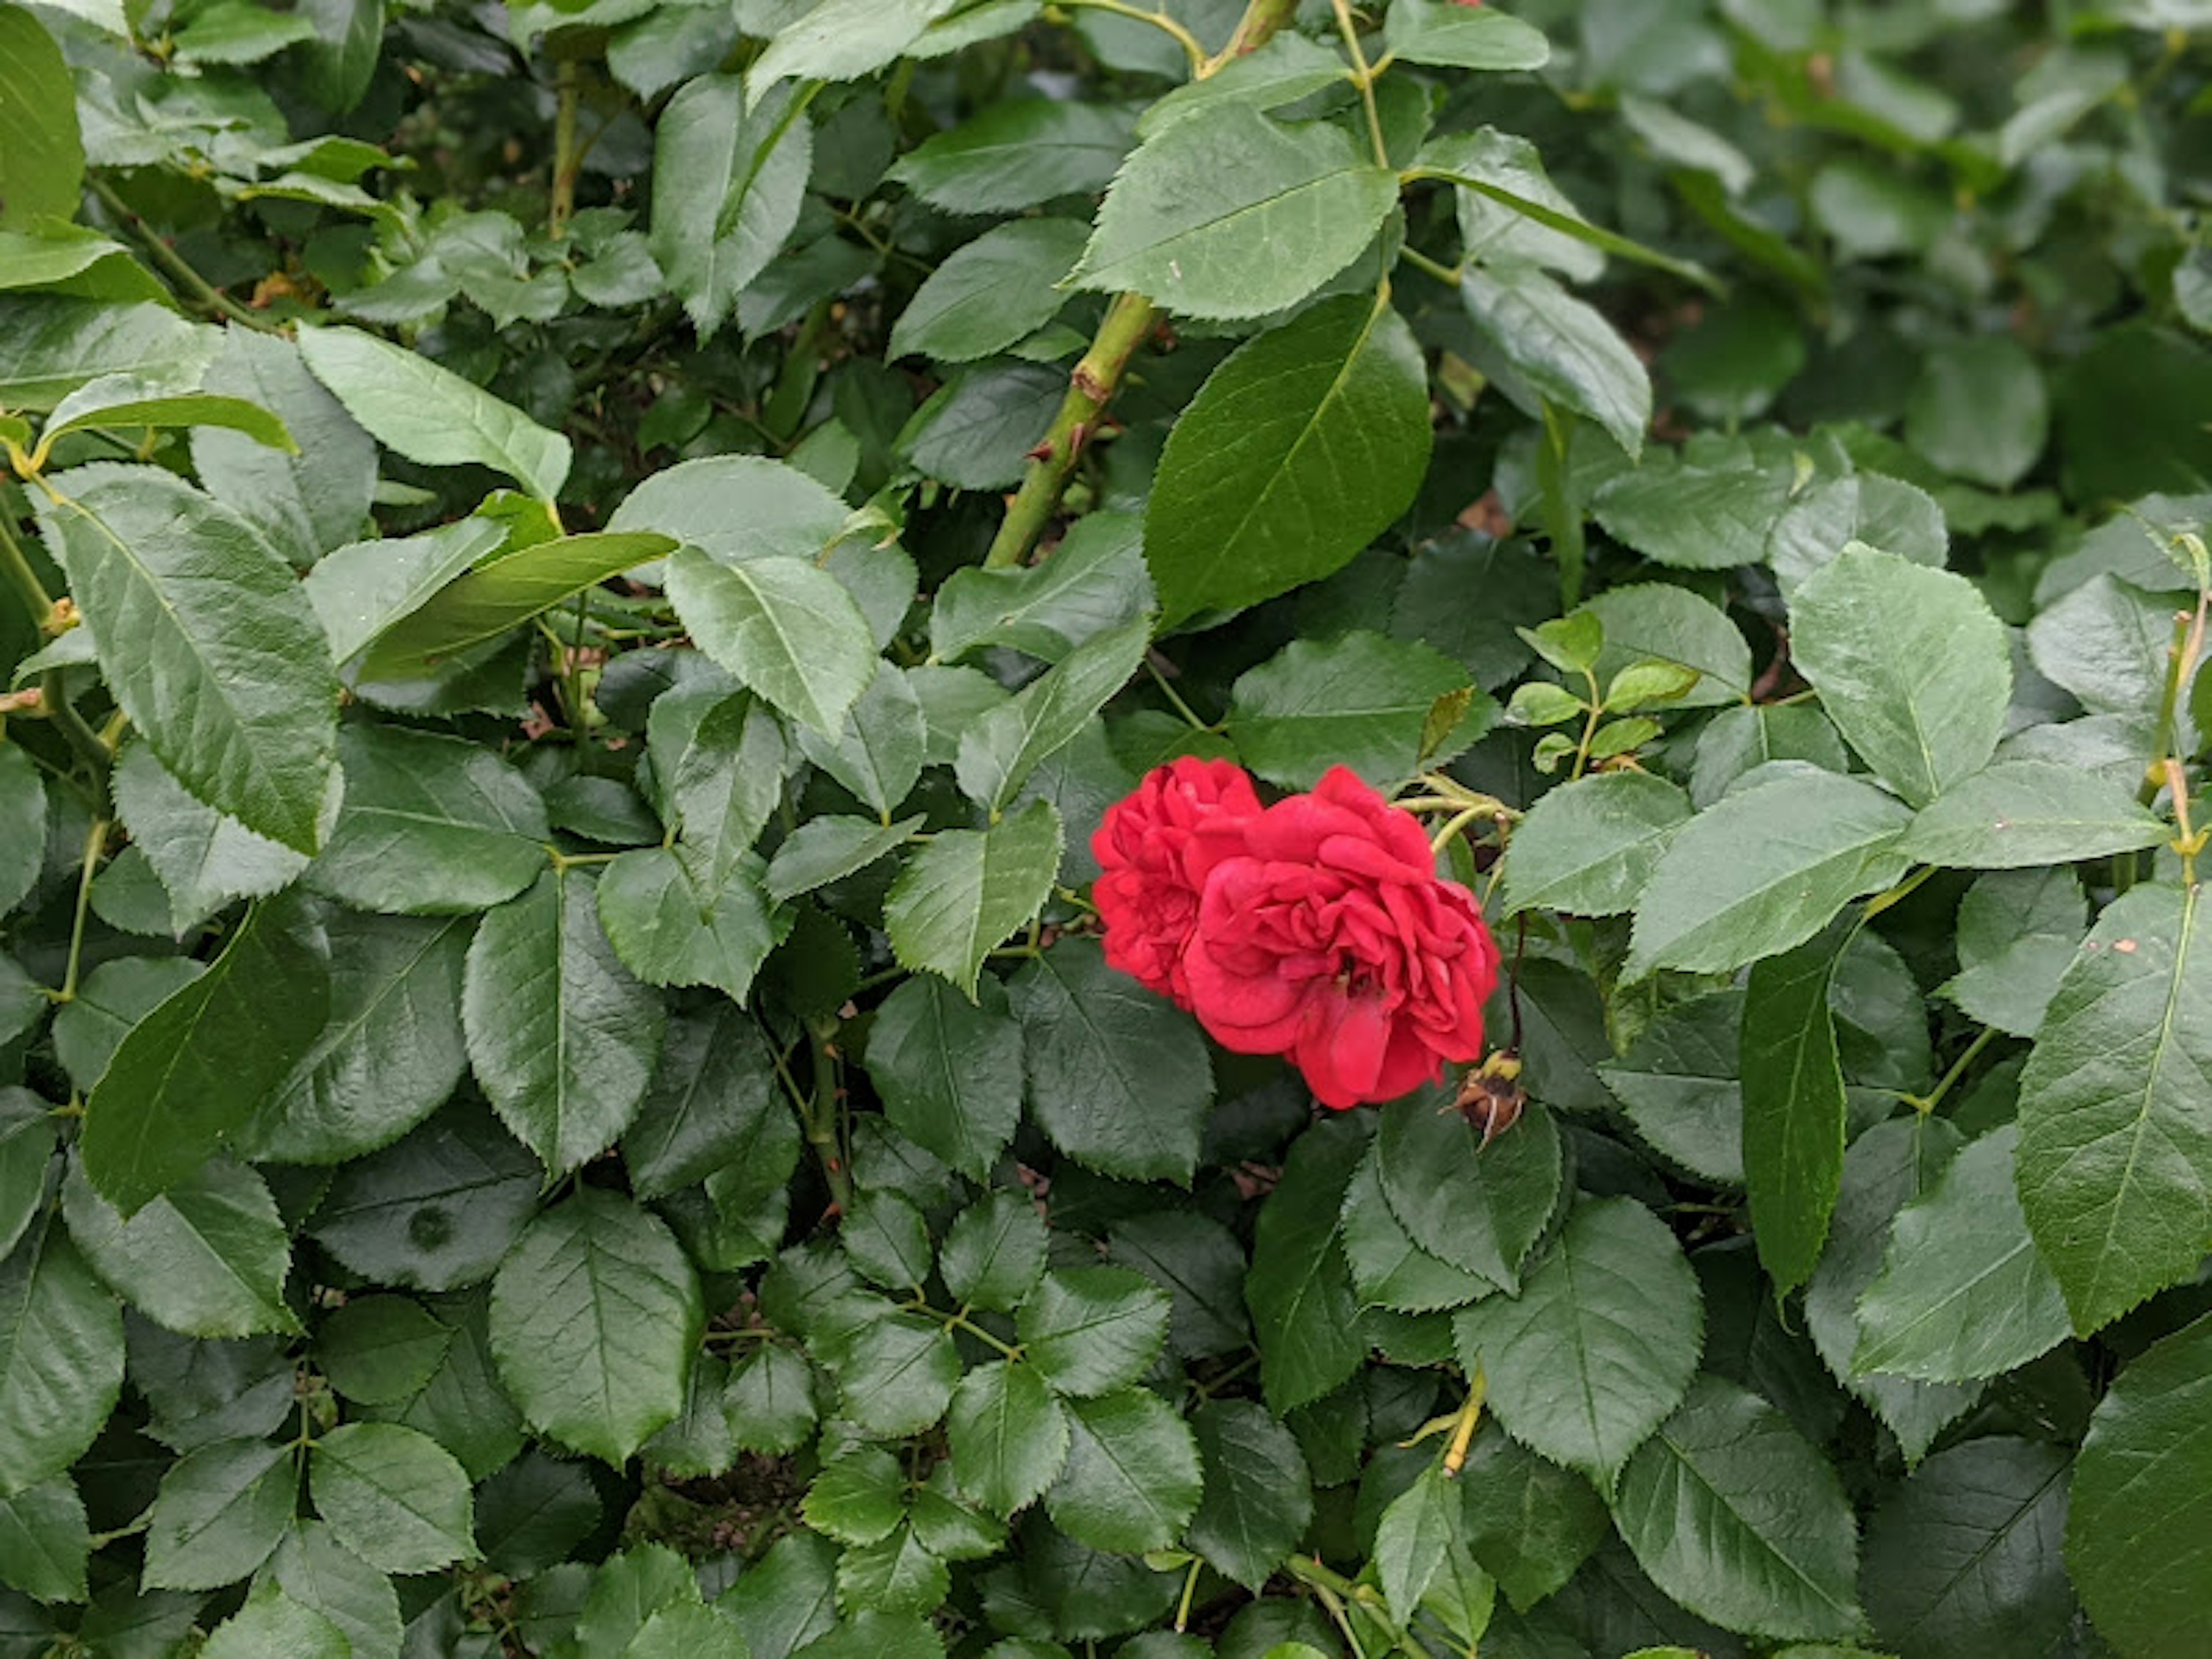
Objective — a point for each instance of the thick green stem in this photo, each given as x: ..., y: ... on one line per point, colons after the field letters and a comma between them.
x: 1128, y: 323
x: 567, y: 160
x: 180, y: 269
x: 821, y: 1115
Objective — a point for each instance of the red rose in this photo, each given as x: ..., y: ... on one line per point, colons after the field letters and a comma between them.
x: 1155, y: 849
x: 1331, y: 939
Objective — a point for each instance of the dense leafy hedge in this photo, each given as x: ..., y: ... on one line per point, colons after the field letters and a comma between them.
x: 580, y: 577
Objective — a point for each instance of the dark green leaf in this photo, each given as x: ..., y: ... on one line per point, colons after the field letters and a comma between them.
x: 315, y: 1570
x: 826, y: 850
x: 61, y: 1358
x: 1527, y: 1522
x: 786, y: 628
x: 1258, y: 1497
x: 195, y: 1070
x: 1679, y: 1082
x: 1793, y: 1105
x: 994, y: 1252
x: 57, y: 345
x: 1002, y: 748
x: 1560, y: 349
x: 949, y: 1071
x: 1601, y: 1343
x: 1438, y: 32
x: 43, y: 169
x: 1965, y: 1559
x: 1296, y: 452
x: 393, y: 1497
x: 307, y: 502
x: 1095, y: 581
x: 563, y: 1039
x: 1589, y: 847
x: 595, y: 1316
x: 1017, y: 153
x: 429, y: 825
x: 1117, y: 1079
x: 2018, y: 931
x: 44, y: 1541
x: 968, y: 889
x: 2136, y: 1540
x: 1132, y: 1480
x: 1362, y: 701
x: 1090, y: 1330
x: 378, y: 1349
x: 1008, y: 1436
x: 1477, y: 1207
x: 207, y: 1258
x: 1231, y: 215
x: 204, y: 858
x: 727, y: 184
x: 1910, y: 664
x: 1740, y: 1520
x: 1299, y: 1288
x: 209, y: 645
x: 2115, y: 1163
x: 2025, y: 812
x: 1962, y: 1293
x: 221, y: 1512
x: 992, y: 292
x: 435, y: 1211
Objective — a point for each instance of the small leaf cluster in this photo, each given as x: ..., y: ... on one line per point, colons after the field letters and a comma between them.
x: 579, y: 575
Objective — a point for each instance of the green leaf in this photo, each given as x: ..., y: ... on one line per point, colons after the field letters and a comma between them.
x: 1388, y: 1269
x: 2106, y: 642
x: 1962, y: 1293
x: 965, y: 891
x: 1417, y: 1529
x: 22, y: 825
x: 2025, y: 812
x: 786, y: 628
x: 436, y: 1209
x: 1793, y: 1105
x: 949, y: 1070
x: 124, y: 401
x: 204, y: 860
x: 1118, y: 1079
x: 1094, y: 582
x: 429, y: 825
x: 1888, y: 1165
x: 1017, y: 153
x: 994, y: 1252
x: 672, y: 922
x: 897, y: 1374
x: 728, y: 182
x: 788, y: 1598
x: 769, y: 1401
x: 44, y: 1541
x: 714, y: 1088
x: 207, y: 1258
x: 992, y: 292
x: 362, y: 590
x: 1092, y: 1330
x: 1259, y: 1496
x: 1764, y: 870
x: 1008, y: 1436
x: 1477, y: 1207
x: 1711, y: 507
x: 499, y: 594
x: 1002, y: 748
x: 563, y: 1039
x: 1360, y: 700
x: 878, y: 754
x: 313, y: 1569
x: 1230, y: 214
x: 208, y: 644
x: 1589, y: 847
x: 272, y: 1623
x: 391, y: 1052
x: 2135, y: 1535
x: 1659, y: 622
x: 1738, y: 1520
x: 395, y: 1498
x: 1132, y: 1480
x: 978, y: 431
x: 27, y: 1138
x: 1457, y: 37
x: 1527, y: 1522
x: 595, y: 1316
x: 222, y: 1512
x: 61, y: 1358
x: 686, y: 1632
x: 1979, y: 410
x: 2018, y: 932
x: 1296, y: 452
x: 2115, y: 1163
x: 378, y: 1349
x: 56, y: 344
x: 887, y: 1241
x: 1600, y: 1345
x: 1556, y: 349
x: 1299, y: 1288
x: 1910, y: 664
x: 827, y: 849
x: 1680, y: 1082
x: 1965, y: 1558
x: 431, y: 415
x: 194, y: 1071
x: 41, y: 154
x: 845, y: 39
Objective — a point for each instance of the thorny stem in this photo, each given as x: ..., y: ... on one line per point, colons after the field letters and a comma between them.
x: 180, y: 271
x: 1127, y: 324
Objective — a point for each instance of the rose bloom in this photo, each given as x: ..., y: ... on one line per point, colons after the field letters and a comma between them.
x: 1155, y: 848
x: 1330, y: 939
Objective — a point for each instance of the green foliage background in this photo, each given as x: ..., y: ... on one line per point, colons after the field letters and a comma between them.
x: 558, y: 1094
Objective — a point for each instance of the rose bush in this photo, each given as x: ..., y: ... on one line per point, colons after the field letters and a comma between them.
x: 756, y: 754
